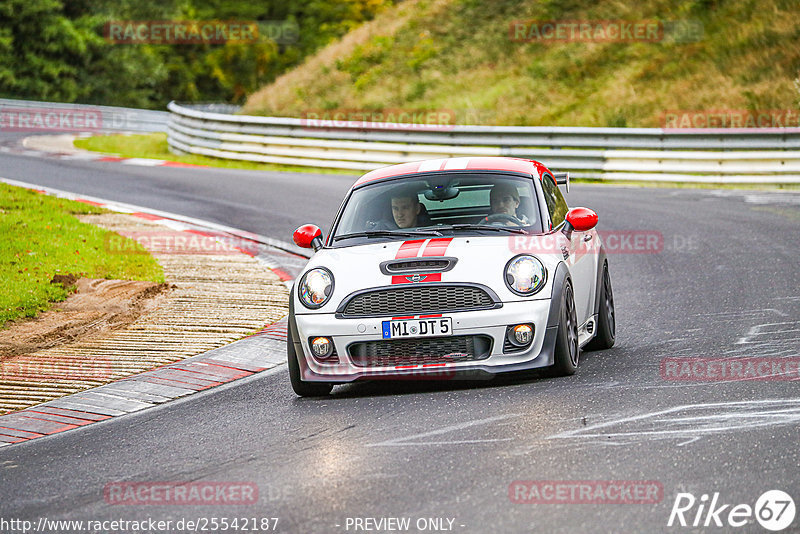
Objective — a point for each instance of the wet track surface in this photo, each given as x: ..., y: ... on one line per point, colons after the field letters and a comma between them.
x: 724, y: 284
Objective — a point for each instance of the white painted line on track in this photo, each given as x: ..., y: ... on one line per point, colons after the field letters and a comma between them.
x: 413, y: 440
x: 143, y: 162
x: 722, y: 417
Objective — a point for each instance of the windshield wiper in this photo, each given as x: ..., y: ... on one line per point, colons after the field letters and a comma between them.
x: 512, y: 229
x: 389, y: 233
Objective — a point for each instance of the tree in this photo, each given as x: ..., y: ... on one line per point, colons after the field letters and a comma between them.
x: 55, y: 49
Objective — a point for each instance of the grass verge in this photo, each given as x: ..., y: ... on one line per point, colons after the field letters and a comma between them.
x: 43, y: 238
x: 154, y: 146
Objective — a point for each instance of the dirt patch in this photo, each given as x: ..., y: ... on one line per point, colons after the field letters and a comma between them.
x: 66, y: 280
x: 96, y: 307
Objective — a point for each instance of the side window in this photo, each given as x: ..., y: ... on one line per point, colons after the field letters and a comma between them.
x: 556, y: 204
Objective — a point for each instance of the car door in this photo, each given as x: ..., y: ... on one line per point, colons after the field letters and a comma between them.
x: 580, y: 255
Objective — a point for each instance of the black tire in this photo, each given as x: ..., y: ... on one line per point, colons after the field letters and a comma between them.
x: 567, y: 350
x: 301, y: 387
x: 606, y: 317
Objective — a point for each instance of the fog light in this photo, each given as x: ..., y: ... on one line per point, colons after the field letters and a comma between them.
x: 523, y: 334
x: 322, y: 347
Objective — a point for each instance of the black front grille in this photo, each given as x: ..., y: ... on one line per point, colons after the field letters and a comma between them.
x: 418, y: 299
x: 391, y: 352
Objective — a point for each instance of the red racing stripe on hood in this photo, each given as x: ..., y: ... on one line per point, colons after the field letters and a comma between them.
x: 437, y: 247
x: 409, y: 249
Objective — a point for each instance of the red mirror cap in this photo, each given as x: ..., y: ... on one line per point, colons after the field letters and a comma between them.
x: 307, y: 233
x: 582, y: 219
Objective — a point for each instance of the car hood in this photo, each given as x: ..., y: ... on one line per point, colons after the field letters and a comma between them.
x: 480, y: 260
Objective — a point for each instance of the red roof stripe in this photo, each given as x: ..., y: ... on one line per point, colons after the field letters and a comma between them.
x: 476, y: 163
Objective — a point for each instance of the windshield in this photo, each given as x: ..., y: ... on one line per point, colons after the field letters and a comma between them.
x: 441, y: 204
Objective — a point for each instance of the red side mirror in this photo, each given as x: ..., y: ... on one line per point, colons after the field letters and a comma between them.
x: 308, y: 236
x: 582, y: 219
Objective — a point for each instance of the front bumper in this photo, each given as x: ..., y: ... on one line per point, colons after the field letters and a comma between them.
x: 492, y: 323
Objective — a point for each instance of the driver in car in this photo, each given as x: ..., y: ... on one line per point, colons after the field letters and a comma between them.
x: 504, y: 200
x: 405, y: 210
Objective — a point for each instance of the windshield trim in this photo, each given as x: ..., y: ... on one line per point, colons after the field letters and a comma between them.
x: 427, y: 174
x: 535, y: 229
x: 420, y: 232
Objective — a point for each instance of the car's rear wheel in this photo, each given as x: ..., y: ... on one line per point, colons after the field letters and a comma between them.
x: 606, y: 317
x: 567, y: 350
x: 300, y: 386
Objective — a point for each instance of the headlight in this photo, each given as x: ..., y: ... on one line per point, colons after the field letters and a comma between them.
x: 525, y: 275
x: 315, y: 288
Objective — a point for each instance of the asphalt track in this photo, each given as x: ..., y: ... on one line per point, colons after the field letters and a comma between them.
x: 724, y: 285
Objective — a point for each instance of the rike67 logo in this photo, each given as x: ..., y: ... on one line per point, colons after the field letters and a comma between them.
x: 774, y: 510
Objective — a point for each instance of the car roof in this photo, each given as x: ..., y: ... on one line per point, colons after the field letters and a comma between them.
x: 527, y: 166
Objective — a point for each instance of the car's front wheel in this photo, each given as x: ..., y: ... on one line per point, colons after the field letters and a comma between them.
x: 567, y: 350
x: 300, y: 386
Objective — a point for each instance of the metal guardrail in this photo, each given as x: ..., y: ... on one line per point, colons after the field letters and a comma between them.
x: 650, y: 154
x: 112, y: 119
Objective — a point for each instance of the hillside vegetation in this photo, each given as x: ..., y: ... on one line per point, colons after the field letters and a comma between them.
x: 457, y: 55
x: 59, y: 50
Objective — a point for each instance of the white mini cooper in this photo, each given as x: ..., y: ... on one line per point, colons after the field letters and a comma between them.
x: 460, y: 267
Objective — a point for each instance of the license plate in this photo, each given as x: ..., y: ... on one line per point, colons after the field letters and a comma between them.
x: 439, y: 326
